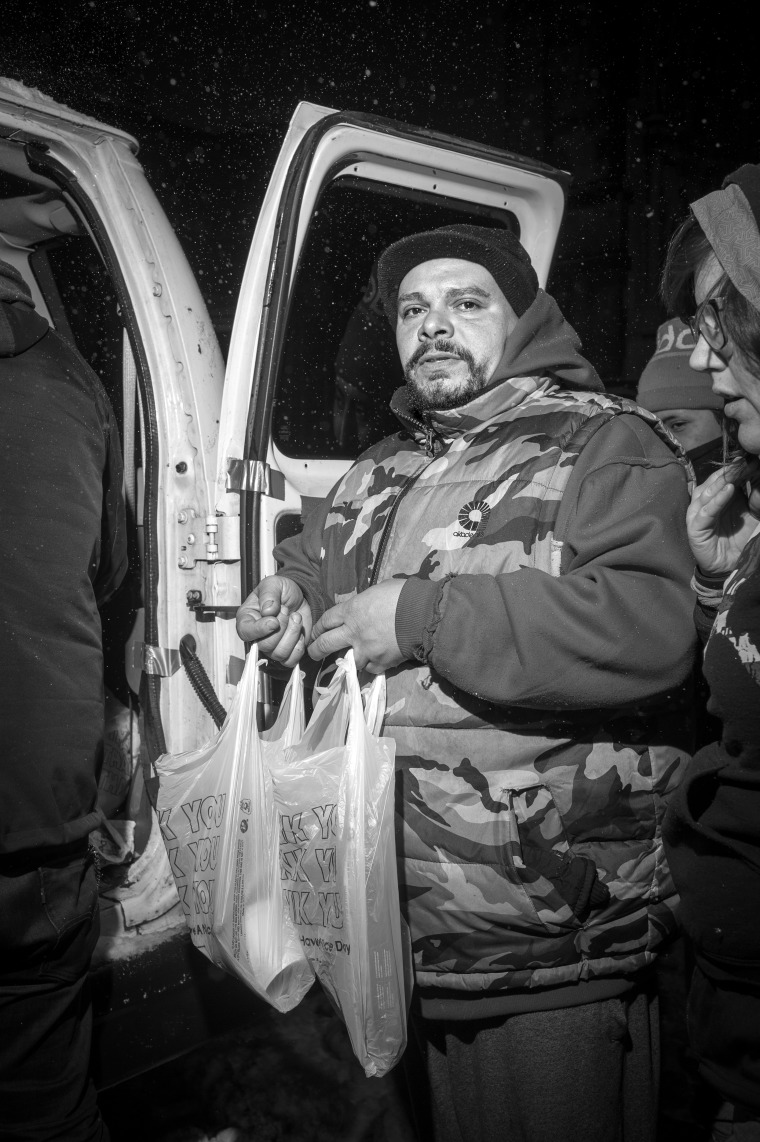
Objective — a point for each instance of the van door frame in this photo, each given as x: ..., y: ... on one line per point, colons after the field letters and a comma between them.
x: 40, y: 162
x: 283, y: 267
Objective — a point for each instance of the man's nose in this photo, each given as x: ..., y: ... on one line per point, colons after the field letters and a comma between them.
x: 437, y: 323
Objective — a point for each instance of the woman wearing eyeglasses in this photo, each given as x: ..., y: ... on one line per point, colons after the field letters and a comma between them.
x: 713, y: 826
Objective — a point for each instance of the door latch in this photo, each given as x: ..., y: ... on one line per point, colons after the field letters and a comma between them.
x: 209, y: 612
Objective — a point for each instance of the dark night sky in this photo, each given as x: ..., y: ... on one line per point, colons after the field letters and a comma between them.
x: 648, y: 105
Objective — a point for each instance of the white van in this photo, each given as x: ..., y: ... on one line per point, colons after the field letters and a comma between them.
x: 220, y: 464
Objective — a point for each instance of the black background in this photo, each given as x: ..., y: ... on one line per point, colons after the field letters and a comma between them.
x: 648, y: 105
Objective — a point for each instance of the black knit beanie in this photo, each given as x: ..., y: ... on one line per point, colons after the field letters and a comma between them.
x: 498, y: 250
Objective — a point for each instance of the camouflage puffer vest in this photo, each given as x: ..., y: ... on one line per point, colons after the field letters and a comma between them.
x: 487, y: 794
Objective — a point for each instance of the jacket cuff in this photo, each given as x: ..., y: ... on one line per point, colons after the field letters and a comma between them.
x: 415, y: 613
x: 708, y: 588
x: 702, y: 579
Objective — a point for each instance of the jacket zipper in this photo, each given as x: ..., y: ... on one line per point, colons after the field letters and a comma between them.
x: 430, y: 451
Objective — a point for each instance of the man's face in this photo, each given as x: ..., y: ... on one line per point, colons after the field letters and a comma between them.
x: 452, y: 325
x: 693, y: 427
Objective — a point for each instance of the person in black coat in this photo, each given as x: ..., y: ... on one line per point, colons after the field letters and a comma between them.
x: 712, y: 827
x: 64, y: 553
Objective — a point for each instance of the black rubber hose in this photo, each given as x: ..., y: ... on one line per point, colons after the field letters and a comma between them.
x: 200, y: 681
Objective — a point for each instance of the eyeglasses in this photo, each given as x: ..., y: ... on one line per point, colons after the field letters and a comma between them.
x: 706, y: 323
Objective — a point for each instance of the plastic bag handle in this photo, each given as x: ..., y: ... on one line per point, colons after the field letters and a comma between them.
x: 343, y: 703
x: 374, y: 704
x: 294, y: 727
x: 250, y: 667
x: 289, y: 724
x: 371, y: 700
x: 246, y: 695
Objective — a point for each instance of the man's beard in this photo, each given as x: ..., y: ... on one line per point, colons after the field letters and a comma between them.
x: 435, y: 391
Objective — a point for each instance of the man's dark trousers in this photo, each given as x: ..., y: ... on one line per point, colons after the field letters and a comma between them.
x: 48, y: 930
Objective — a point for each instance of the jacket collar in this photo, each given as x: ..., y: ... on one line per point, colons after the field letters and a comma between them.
x: 498, y: 400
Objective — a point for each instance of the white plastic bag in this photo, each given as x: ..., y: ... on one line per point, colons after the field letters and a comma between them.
x: 220, y: 827
x: 334, y: 793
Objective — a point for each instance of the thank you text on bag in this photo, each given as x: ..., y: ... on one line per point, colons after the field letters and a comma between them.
x: 194, y: 863
x: 309, y: 872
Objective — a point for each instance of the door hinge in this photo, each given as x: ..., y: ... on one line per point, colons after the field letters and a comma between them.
x: 213, y: 539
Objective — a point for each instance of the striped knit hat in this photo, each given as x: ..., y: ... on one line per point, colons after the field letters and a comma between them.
x: 668, y: 381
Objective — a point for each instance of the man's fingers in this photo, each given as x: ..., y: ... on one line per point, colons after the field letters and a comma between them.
x: 280, y: 648
x: 251, y: 611
x: 247, y: 618
x: 265, y: 612
x: 329, y: 641
x: 296, y: 654
x: 254, y: 628
x: 330, y: 620
x: 332, y: 633
x: 271, y: 604
x: 277, y: 636
x: 270, y: 592
x: 289, y: 650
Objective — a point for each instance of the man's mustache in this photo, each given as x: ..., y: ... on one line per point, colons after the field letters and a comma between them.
x: 440, y: 346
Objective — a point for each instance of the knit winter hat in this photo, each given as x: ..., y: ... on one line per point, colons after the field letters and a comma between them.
x: 668, y: 381
x: 498, y: 250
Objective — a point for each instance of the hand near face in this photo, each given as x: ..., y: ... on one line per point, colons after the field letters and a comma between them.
x: 367, y: 623
x: 719, y: 523
x: 277, y: 617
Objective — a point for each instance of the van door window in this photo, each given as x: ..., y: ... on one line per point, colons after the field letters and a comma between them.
x: 339, y: 365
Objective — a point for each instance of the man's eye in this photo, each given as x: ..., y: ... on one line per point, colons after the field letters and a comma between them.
x: 411, y: 311
x: 468, y: 304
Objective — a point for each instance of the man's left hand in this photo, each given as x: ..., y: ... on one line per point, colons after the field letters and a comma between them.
x: 367, y: 623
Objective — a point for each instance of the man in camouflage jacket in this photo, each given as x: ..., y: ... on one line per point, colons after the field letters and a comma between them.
x: 515, y: 559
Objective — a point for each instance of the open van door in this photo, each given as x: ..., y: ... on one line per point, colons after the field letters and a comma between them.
x: 312, y: 361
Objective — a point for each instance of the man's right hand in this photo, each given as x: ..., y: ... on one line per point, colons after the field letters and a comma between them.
x: 277, y: 617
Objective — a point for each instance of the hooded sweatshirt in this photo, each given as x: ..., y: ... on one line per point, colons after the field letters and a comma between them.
x: 544, y: 344
x: 64, y: 552
x: 546, y: 619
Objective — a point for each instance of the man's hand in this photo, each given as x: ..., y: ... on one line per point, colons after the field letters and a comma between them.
x: 278, y: 618
x: 719, y: 523
x: 367, y: 623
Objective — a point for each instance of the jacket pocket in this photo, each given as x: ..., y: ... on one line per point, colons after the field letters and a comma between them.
x: 561, y: 887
